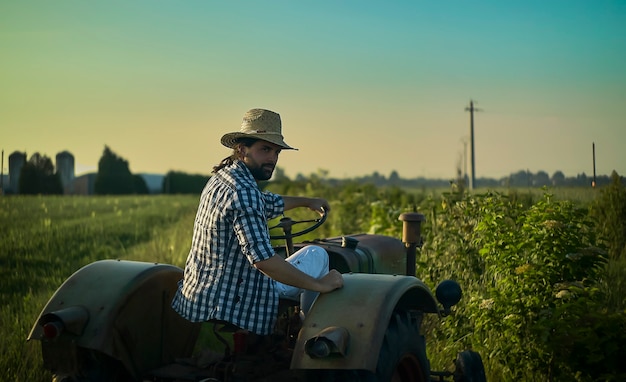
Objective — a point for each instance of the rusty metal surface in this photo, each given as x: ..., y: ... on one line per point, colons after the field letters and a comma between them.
x: 363, y: 306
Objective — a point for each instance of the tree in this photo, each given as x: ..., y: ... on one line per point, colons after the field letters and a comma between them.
x: 181, y: 183
x: 114, y: 176
x: 279, y: 175
x: 520, y: 179
x: 541, y: 179
x: 394, y: 178
x: 38, y: 177
x: 558, y: 178
x: 140, y: 185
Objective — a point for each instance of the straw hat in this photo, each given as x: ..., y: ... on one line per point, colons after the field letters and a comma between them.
x: 261, y: 124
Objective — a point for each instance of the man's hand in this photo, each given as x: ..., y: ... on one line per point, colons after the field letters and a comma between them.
x: 318, y: 205
x: 331, y: 281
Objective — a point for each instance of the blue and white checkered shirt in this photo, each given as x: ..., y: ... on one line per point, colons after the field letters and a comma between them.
x: 230, y: 234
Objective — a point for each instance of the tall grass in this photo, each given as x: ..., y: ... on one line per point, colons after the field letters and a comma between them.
x: 46, y: 239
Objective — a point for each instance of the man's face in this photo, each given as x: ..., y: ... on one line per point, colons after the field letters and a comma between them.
x: 261, y: 159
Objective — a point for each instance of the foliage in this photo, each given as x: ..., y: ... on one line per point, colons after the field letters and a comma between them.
x: 528, y: 264
x: 114, y: 176
x: 522, y: 179
x: 609, y: 212
x: 38, y: 177
x: 181, y: 183
x: 139, y: 185
x: 531, y: 278
x: 355, y: 207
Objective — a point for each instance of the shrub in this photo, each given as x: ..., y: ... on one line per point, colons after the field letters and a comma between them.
x: 530, y: 277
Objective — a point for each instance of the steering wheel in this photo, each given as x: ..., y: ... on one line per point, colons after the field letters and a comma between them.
x: 286, y: 223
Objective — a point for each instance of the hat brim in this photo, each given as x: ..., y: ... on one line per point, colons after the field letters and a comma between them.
x: 230, y: 139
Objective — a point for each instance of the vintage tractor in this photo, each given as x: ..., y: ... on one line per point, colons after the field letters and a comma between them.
x: 112, y: 321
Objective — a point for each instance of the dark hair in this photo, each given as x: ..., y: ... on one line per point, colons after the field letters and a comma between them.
x: 236, y: 153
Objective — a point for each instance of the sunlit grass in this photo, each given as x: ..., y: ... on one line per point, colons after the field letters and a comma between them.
x: 46, y: 239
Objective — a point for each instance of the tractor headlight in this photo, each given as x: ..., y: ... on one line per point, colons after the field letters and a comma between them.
x: 448, y: 293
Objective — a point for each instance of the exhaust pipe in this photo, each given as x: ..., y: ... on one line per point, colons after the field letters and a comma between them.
x: 411, y: 237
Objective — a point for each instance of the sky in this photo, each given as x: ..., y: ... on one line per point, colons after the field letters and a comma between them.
x: 361, y: 86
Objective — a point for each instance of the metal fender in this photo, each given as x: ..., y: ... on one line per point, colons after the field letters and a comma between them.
x: 119, y: 308
x: 358, y: 313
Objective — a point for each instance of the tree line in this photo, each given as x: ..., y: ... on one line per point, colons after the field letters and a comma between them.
x: 38, y: 176
x: 114, y: 177
x: 522, y: 178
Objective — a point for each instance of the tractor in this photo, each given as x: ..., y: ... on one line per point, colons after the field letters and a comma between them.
x: 112, y: 321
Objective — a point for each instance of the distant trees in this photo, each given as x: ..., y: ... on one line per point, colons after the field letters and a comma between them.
x: 114, y: 176
x: 394, y: 178
x: 279, y: 174
x: 558, y: 178
x: 38, y: 177
x: 181, y: 183
x: 541, y: 179
x: 528, y: 179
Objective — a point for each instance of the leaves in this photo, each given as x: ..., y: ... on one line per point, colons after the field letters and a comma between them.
x: 533, y: 271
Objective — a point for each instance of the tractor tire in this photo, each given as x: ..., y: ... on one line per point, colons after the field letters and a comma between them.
x: 402, y: 357
x: 469, y: 367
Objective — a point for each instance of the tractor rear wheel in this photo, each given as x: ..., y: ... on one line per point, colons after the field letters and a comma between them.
x: 402, y: 356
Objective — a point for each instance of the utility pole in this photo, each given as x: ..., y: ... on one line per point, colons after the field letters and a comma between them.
x: 464, y: 140
x: 472, y: 109
x: 2, y: 175
x: 593, y: 149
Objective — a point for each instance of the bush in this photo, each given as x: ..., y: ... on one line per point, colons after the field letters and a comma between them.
x: 531, y: 279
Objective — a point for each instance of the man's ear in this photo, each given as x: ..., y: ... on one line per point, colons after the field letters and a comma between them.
x: 240, y: 150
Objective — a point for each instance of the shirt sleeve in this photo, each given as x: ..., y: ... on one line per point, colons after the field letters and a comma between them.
x: 250, y: 225
x: 274, y: 205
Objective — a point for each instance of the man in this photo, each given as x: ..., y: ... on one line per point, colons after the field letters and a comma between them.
x: 232, y: 273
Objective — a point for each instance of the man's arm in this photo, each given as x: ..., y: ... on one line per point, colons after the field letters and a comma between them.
x: 315, y: 204
x: 280, y: 270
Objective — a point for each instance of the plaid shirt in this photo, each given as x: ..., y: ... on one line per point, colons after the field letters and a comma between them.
x: 230, y: 234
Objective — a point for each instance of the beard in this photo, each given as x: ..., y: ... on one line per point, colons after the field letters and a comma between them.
x: 262, y: 172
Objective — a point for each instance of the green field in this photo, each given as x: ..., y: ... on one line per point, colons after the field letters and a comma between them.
x: 516, y: 239
x: 46, y: 239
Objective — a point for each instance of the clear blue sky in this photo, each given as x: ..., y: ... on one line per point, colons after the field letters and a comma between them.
x: 361, y: 86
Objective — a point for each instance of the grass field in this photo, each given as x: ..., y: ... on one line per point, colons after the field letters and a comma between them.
x: 46, y: 239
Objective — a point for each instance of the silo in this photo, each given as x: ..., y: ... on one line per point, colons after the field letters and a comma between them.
x: 16, y: 162
x: 65, y: 169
